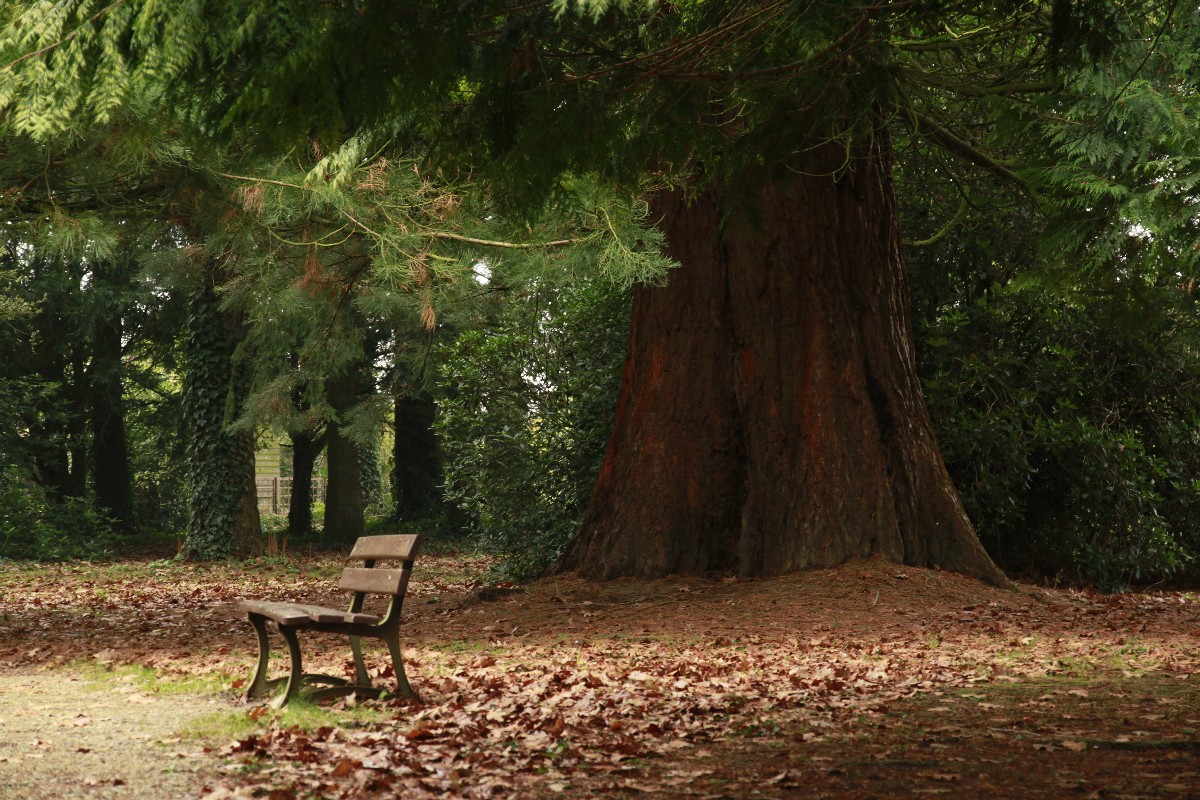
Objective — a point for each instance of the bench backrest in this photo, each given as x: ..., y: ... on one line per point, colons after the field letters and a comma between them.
x: 398, y: 547
x: 369, y: 579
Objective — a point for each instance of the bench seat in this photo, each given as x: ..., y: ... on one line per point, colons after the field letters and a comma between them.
x: 301, y: 614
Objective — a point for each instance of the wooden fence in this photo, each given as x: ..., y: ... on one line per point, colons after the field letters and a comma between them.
x: 274, y: 494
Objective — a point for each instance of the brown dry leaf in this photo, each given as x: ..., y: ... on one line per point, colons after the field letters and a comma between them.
x: 940, y: 776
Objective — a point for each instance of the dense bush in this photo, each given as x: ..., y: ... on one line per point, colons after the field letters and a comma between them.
x: 527, y: 409
x: 1070, y: 426
x: 35, y: 527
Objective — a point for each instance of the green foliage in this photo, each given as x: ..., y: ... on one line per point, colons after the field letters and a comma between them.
x: 1070, y: 426
x: 1120, y: 160
x: 359, y: 251
x: 526, y: 413
x: 374, y: 488
x: 156, y: 451
x: 36, y: 527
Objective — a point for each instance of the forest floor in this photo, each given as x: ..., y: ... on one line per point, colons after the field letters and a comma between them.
x: 870, y: 680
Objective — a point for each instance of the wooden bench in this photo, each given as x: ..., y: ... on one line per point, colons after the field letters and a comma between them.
x: 291, y: 618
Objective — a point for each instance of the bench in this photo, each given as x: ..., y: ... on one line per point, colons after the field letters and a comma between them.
x: 290, y: 618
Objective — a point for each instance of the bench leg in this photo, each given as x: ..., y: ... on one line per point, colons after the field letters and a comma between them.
x: 360, y: 668
x: 403, y: 687
x: 258, y: 682
x: 295, y: 676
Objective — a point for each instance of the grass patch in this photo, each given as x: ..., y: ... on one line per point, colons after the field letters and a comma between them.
x: 102, y: 678
x: 299, y: 713
x: 236, y: 723
x: 469, y: 646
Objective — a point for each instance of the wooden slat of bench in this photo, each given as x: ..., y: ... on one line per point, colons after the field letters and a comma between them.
x: 283, y: 613
x: 298, y: 614
x: 335, y: 615
x: 373, y: 581
x: 399, y: 546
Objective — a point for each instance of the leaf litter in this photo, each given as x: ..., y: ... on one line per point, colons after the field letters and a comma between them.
x: 861, y: 681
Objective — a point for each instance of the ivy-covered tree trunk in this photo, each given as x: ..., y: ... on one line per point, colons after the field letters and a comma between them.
x: 223, y: 510
x: 770, y: 417
x: 370, y: 474
x: 305, y: 448
x: 113, y: 477
x: 344, y: 514
x: 417, y: 470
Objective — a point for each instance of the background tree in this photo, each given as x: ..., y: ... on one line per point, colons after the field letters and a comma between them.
x: 344, y: 506
x: 352, y: 260
x: 417, y: 476
x: 37, y: 519
x: 223, y: 515
x: 113, y: 479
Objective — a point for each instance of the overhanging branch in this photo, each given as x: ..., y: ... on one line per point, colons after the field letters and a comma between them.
x: 964, y: 149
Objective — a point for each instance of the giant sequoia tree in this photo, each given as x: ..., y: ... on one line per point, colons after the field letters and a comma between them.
x: 770, y: 417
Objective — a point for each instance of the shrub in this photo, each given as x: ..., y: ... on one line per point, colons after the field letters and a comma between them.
x: 35, y: 527
x: 526, y: 413
x: 1069, y: 427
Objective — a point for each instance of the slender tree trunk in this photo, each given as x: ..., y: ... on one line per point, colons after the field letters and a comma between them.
x: 113, y: 478
x: 417, y: 470
x: 51, y: 455
x: 247, y: 524
x: 58, y: 420
x: 770, y: 418
x: 344, y: 517
x: 305, y: 449
x: 223, y: 510
x: 77, y: 428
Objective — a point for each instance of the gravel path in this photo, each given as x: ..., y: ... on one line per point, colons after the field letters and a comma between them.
x: 63, y: 736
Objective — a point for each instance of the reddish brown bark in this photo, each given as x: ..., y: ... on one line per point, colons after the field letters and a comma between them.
x: 770, y: 418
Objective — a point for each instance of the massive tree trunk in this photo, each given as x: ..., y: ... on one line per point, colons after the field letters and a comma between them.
x: 770, y: 418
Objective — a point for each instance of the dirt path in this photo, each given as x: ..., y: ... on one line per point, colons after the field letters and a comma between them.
x: 64, y: 736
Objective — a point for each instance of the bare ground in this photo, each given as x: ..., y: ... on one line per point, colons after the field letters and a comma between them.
x: 64, y: 736
x: 870, y: 680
